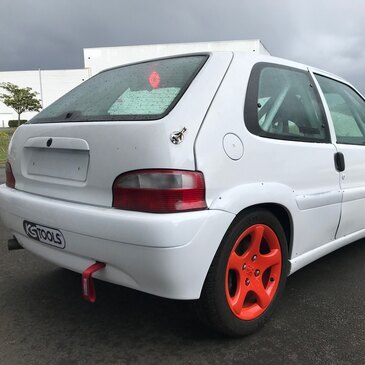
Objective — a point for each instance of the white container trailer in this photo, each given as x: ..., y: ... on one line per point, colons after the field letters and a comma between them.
x: 98, y: 59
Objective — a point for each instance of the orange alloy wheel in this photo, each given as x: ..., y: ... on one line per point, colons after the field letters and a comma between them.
x: 253, y: 272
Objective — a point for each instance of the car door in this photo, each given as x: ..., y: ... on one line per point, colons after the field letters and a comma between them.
x: 346, y: 109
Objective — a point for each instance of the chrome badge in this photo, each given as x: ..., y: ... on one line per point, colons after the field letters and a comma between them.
x: 177, y: 137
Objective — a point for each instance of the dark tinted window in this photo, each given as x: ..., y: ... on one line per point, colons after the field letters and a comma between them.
x: 282, y: 103
x: 347, y: 111
x: 140, y: 91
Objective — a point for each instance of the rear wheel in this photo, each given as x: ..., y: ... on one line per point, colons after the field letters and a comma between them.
x: 247, y: 276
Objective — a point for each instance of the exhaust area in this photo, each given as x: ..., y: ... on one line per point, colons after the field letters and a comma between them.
x: 13, y: 244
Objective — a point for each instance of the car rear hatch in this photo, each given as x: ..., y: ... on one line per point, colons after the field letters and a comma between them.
x: 120, y: 120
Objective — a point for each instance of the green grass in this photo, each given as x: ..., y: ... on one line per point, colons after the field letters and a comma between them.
x: 5, y: 136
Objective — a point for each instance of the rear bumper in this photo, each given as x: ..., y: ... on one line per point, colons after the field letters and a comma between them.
x: 163, y: 254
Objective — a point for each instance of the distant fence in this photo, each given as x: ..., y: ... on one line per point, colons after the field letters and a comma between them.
x: 4, y: 119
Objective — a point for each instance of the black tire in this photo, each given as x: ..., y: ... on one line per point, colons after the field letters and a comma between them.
x: 212, y: 307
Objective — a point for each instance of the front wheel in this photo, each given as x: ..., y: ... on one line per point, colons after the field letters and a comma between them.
x: 247, y: 276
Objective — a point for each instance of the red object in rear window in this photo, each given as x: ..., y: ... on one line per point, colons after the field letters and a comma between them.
x: 154, y: 79
x: 160, y: 191
x: 10, y: 179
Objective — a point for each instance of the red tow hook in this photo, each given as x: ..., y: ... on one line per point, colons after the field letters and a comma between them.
x: 88, y: 287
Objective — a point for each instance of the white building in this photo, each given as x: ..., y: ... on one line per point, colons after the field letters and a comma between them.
x: 49, y: 84
x: 52, y: 84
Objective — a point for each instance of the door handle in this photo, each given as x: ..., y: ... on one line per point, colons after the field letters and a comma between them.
x: 339, y: 161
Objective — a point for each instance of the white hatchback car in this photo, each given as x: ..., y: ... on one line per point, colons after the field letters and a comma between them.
x: 201, y: 176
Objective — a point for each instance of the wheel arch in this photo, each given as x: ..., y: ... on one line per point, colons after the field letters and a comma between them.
x: 279, y: 199
x: 282, y: 214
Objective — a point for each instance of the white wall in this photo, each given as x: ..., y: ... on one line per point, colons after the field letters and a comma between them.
x: 49, y: 84
x: 97, y: 59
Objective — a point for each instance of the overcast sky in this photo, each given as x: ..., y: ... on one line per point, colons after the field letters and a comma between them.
x: 50, y: 34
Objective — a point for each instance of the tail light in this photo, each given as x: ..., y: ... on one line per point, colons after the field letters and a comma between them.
x: 10, y: 179
x: 159, y: 191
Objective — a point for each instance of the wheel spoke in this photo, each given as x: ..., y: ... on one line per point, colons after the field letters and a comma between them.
x: 256, y: 239
x: 263, y: 298
x: 235, y: 262
x: 268, y: 260
x: 240, y: 299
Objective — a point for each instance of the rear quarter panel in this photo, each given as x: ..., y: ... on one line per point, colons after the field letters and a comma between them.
x: 270, y: 171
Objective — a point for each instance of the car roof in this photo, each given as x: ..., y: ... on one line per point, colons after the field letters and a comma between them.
x: 286, y: 62
x: 282, y: 61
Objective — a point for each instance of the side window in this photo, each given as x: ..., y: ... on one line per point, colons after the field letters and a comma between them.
x: 347, y: 111
x: 282, y: 103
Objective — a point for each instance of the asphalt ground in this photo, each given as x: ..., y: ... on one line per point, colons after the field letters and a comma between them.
x: 43, y: 319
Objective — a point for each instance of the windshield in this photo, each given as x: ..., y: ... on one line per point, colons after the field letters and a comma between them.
x: 147, y: 90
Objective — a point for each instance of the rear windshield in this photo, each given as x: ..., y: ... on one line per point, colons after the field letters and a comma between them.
x: 147, y: 90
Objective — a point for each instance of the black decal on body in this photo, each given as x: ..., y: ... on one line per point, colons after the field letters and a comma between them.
x: 47, y: 235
